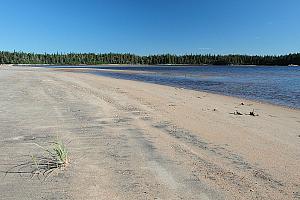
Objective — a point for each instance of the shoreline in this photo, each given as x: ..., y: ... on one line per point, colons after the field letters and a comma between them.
x: 82, y: 70
x: 61, y: 67
x: 140, y: 65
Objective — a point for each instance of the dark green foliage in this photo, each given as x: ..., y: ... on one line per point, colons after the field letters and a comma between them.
x: 112, y: 58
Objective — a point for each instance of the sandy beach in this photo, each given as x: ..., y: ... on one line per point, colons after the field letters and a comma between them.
x: 135, y: 140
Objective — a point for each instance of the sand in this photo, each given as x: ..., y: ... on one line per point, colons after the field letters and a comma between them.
x: 134, y: 140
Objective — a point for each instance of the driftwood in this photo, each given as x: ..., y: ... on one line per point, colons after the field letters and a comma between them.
x: 253, y: 114
x: 236, y: 113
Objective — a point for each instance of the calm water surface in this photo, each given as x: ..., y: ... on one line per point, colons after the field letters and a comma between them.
x: 277, y: 85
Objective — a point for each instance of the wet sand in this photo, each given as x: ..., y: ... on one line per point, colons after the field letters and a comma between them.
x: 134, y: 140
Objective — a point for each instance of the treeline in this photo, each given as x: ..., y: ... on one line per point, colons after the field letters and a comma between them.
x: 112, y: 58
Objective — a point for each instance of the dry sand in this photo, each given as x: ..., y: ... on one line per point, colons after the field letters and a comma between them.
x: 134, y: 140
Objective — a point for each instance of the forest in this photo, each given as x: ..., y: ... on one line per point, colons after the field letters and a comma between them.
x: 117, y: 58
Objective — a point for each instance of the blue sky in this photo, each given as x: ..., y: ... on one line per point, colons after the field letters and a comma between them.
x: 151, y: 26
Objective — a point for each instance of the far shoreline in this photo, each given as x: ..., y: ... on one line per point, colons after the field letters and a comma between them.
x: 145, y: 65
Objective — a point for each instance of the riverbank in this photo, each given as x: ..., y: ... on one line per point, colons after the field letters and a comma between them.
x: 135, y: 140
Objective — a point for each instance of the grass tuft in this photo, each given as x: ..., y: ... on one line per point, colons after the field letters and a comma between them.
x: 51, y: 160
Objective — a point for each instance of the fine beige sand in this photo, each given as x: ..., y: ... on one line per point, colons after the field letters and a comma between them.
x: 134, y: 140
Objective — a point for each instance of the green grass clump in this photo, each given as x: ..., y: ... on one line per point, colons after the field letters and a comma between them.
x: 51, y: 160
x: 60, y: 154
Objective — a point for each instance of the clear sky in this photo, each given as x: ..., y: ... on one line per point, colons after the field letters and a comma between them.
x: 151, y: 26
